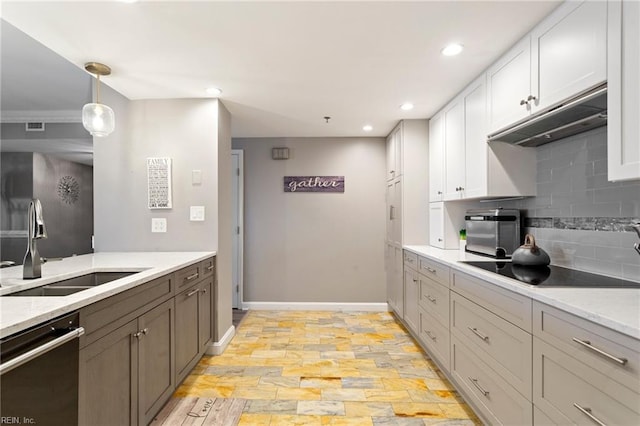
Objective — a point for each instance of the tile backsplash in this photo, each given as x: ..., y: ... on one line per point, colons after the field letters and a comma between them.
x: 578, y: 216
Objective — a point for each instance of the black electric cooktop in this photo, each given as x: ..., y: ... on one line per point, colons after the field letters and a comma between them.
x: 552, y: 276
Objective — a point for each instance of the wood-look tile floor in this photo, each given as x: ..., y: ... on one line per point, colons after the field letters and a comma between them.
x: 317, y: 368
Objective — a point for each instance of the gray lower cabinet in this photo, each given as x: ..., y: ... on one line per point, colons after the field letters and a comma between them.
x: 193, y: 325
x: 127, y: 375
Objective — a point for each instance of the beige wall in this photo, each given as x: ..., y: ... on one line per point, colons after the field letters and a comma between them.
x: 314, y: 247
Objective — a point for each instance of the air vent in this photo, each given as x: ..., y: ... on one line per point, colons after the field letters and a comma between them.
x: 280, y: 153
x: 34, y: 126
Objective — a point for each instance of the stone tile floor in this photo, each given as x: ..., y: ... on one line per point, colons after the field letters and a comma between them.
x: 327, y: 368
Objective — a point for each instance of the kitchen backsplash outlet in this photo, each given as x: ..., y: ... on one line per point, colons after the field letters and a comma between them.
x: 578, y: 216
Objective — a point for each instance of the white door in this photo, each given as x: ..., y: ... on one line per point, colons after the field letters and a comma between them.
x: 436, y: 158
x: 238, y: 228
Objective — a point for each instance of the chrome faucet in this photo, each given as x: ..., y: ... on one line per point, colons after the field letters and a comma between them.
x: 32, y: 261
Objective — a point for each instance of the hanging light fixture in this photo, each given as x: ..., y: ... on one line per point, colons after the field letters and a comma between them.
x: 98, y: 118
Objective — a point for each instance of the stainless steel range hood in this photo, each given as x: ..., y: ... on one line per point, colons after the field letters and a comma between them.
x: 576, y: 115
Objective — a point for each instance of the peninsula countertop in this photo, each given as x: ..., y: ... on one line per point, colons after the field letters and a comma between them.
x: 21, y: 312
x: 615, y: 308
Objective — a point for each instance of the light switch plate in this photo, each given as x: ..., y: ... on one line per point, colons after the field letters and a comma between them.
x: 196, y: 213
x: 158, y: 224
x: 196, y: 177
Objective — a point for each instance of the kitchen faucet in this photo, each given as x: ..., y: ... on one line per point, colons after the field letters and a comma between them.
x: 32, y: 261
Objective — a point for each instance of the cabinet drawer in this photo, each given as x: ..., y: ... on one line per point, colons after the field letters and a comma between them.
x: 435, y: 337
x: 502, y: 345
x: 434, y: 270
x: 564, y: 388
x: 513, y: 307
x: 208, y: 267
x: 497, y: 401
x: 189, y: 275
x: 410, y: 260
x: 434, y: 299
x: 100, y: 318
x: 613, y: 354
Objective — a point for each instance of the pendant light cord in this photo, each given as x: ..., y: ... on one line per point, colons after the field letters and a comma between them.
x: 98, y: 89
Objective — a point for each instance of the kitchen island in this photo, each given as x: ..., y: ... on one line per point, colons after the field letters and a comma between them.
x: 20, y: 313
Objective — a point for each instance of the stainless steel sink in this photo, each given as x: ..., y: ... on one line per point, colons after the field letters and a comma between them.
x: 73, y: 285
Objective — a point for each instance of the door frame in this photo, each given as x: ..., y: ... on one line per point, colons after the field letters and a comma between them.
x: 239, y: 173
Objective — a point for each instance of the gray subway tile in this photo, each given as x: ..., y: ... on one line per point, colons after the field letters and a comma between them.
x: 600, y: 167
x: 618, y: 194
x: 618, y: 255
x: 598, y: 266
x: 596, y: 210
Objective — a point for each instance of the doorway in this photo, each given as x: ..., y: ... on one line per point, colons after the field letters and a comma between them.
x: 237, y: 162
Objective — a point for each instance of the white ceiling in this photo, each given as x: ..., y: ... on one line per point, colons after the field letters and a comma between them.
x: 283, y: 66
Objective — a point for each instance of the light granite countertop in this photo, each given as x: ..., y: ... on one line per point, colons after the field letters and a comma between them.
x: 615, y: 308
x: 20, y: 312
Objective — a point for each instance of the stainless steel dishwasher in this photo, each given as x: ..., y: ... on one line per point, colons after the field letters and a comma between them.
x: 39, y: 374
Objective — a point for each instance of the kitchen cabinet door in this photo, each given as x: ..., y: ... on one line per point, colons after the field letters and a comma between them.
x: 396, y: 213
x: 475, y: 140
x: 108, y: 385
x: 156, y: 360
x: 398, y: 286
x: 454, y: 150
x: 391, y: 157
x: 411, y: 299
x: 205, y: 309
x: 436, y: 158
x: 187, y: 334
x: 508, y: 86
x: 623, y: 126
x: 570, y: 52
x: 436, y: 224
x: 390, y: 196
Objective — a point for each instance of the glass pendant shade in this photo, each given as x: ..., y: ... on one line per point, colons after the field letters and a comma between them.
x: 98, y: 119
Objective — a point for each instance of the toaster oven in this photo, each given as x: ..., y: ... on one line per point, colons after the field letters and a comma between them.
x: 493, y: 232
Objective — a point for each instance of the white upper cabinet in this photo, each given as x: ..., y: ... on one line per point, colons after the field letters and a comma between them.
x: 509, y: 85
x: 475, y: 140
x: 454, y: 150
x: 623, y: 125
x: 564, y: 55
x: 570, y: 52
x: 436, y: 158
x: 394, y: 153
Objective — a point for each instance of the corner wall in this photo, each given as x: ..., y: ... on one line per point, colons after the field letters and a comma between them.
x: 314, y: 247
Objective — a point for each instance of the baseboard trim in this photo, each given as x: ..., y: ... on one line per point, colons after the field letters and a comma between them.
x: 217, y: 348
x: 316, y: 306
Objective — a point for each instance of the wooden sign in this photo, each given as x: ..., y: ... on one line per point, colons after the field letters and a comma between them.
x: 159, y: 182
x: 314, y: 184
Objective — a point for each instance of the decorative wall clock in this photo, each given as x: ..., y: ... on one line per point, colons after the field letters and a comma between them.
x: 68, y: 189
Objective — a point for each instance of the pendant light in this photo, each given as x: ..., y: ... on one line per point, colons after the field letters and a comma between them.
x: 98, y: 118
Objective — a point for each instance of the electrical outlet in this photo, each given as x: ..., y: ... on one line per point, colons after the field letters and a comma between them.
x: 196, y: 213
x: 158, y: 224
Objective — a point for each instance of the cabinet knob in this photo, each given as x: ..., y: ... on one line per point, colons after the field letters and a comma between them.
x: 531, y: 98
x: 439, y: 192
x: 523, y: 102
x: 440, y: 239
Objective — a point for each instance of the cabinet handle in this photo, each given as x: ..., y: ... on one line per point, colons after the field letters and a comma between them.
x: 477, y: 333
x: 433, y: 271
x: 415, y: 280
x: 145, y: 330
x: 587, y: 412
x: 476, y: 384
x: 439, y: 192
x: 523, y: 102
x: 431, y: 299
x: 204, y: 290
x: 431, y: 336
x: 587, y: 344
x: 192, y: 292
x: 392, y: 215
x: 531, y: 98
x: 192, y: 276
x: 440, y: 239
x: 210, y: 268
x: 138, y: 335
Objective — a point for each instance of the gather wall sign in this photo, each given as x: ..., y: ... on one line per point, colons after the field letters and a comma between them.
x: 314, y: 184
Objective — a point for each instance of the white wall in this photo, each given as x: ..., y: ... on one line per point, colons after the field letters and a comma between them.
x: 314, y: 247
x: 185, y: 130
x: 195, y: 133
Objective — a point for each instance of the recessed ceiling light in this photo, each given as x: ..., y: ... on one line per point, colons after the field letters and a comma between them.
x: 407, y: 106
x: 452, y: 49
x: 128, y: 1
x: 214, y: 91
x: 367, y: 128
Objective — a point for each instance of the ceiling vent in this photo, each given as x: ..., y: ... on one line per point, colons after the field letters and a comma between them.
x: 34, y: 126
x: 280, y: 153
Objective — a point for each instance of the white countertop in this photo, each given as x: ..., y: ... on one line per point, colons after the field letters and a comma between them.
x: 615, y: 308
x: 20, y: 312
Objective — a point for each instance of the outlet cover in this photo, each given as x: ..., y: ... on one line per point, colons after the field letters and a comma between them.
x: 158, y: 224
x: 196, y: 213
